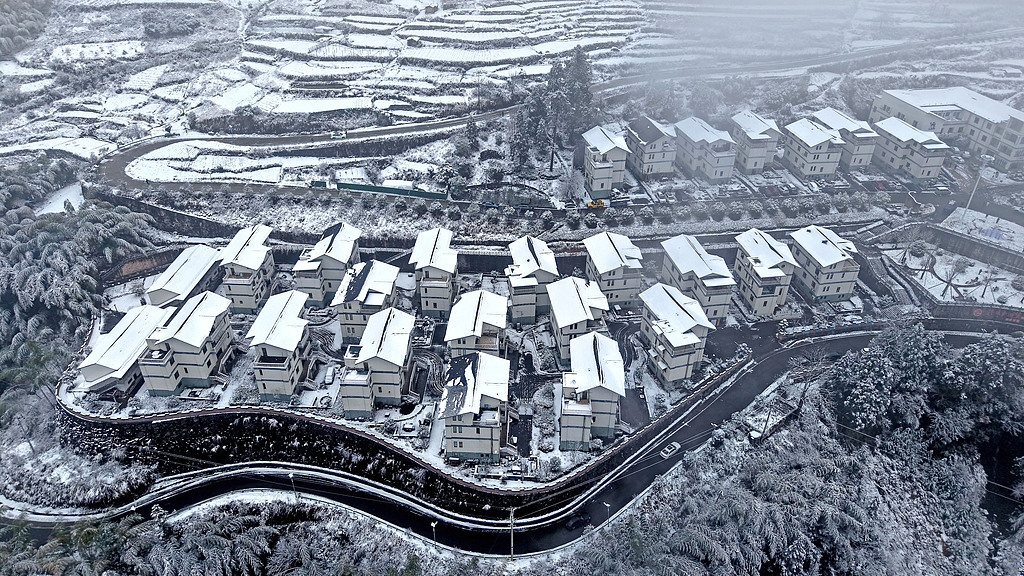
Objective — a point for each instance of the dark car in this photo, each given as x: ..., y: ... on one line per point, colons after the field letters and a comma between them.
x: 578, y: 521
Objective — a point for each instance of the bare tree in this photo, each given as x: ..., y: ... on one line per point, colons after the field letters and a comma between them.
x: 958, y: 266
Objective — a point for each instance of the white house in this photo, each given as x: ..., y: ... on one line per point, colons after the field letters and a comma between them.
x: 990, y: 127
x: 675, y: 329
x: 474, y: 407
x: 811, y: 150
x: 916, y: 154
x: 858, y: 138
x: 604, y: 161
x: 587, y: 398
x: 192, y: 272
x: 533, y: 268
x: 436, y: 265
x: 189, y: 348
x: 368, y: 288
x: 320, y: 269
x: 613, y: 261
x: 477, y: 323
x: 702, y: 276
x: 828, y: 270
x: 703, y: 151
x: 764, y: 267
x: 380, y: 366
x: 652, y: 149
x: 577, y: 307
x: 756, y: 140
x: 111, y: 368
x: 280, y: 336
x: 248, y: 265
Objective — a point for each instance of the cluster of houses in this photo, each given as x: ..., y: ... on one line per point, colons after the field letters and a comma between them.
x: 902, y: 135
x: 183, y: 336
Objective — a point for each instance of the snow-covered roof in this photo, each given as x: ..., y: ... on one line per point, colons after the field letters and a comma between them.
x: 388, y: 336
x: 610, y: 251
x: 433, y: 249
x: 193, y: 323
x: 823, y: 245
x: 676, y: 314
x: 604, y: 141
x: 765, y: 252
x: 836, y: 120
x: 115, y: 352
x: 811, y: 133
x: 697, y: 130
x: 280, y: 323
x: 649, y: 130
x: 530, y: 255
x: 904, y: 132
x: 338, y: 246
x: 574, y: 300
x: 471, y: 377
x: 943, y: 99
x: 182, y: 276
x: 755, y: 125
x: 474, y: 309
x: 689, y: 256
x: 247, y: 248
x: 369, y: 283
x: 596, y: 363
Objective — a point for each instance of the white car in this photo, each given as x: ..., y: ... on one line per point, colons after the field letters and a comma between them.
x: 669, y: 450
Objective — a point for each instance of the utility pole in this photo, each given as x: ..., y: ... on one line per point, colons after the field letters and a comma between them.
x: 984, y: 163
x: 291, y: 478
x: 433, y: 527
x: 511, y: 533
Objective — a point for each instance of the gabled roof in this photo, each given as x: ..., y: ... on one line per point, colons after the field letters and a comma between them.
x: 904, y: 132
x: 676, y: 314
x: 433, y: 249
x: 648, y: 130
x: 369, y: 283
x: 755, y: 125
x: 471, y: 377
x: 280, y: 323
x: 765, y: 252
x: 604, y: 141
x: 697, y: 130
x: 530, y: 255
x: 689, y: 256
x: 941, y: 99
x: 247, y: 248
x: 474, y: 309
x: 338, y: 246
x: 193, y: 323
x: 823, y: 245
x: 388, y: 336
x: 812, y: 133
x: 182, y: 276
x: 610, y: 251
x: 574, y: 300
x: 836, y: 120
x: 115, y: 352
x: 596, y: 363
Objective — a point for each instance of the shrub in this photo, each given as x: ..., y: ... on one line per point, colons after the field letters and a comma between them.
x: 490, y: 154
x: 647, y: 215
x: 591, y: 220
x: 735, y: 211
x: 717, y: 211
x: 436, y: 209
x: 572, y: 218
x: 454, y: 213
x: 610, y: 216
x: 400, y: 205
x: 492, y: 215
x: 420, y: 207
x: 627, y: 216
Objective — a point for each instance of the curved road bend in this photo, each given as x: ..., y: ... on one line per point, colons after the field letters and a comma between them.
x: 540, y: 525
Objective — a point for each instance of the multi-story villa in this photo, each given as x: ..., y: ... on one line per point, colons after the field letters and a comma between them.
x: 702, y: 276
x: 577, y: 307
x: 914, y: 153
x: 533, y: 268
x: 828, y: 270
x: 613, y: 261
x: 587, y: 398
x: 436, y: 265
x: 380, y: 366
x: 764, y: 267
x: 473, y: 406
x: 811, y: 150
x: 111, y: 368
x: 477, y: 323
x: 756, y: 140
x: 368, y: 288
x: 857, y: 136
x: 320, y: 269
x: 704, y: 151
x: 652, y: 149
x: 193, y: 271
x: 248, y: 265
x: 604, y: 162
x: 674, y: 328
x: 280, y: 336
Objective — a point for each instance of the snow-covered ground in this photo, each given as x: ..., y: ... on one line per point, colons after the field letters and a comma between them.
x: 936, y: 270
x: 988, y: 228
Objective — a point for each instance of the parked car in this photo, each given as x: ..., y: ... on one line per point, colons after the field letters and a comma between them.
x: 578, y: 521
x: 668, y: 451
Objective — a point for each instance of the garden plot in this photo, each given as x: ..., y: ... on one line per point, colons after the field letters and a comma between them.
x: 988, y: 228
x: 98, y: 51
x: 951, y: 277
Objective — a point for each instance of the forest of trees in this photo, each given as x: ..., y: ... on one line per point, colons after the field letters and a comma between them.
x: 20, y: 22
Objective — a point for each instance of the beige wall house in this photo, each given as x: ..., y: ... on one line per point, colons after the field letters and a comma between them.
x: 703, y: 151
x: 756, y: 140
x: 248, y: 266
x: 477, y: 324
x: 604, y: 162
x: 533, y: 268
x: 320, y: 269
x: 858, y: 138
x: 189, y: 347
x: 474, y: 408
x: 577, y: 307
x: 764, y: 268
x: 696, y: 273
x: 914, y: 153
x: 436, y: 265
x: 587, y: 398
x: 112, y: 368
x: 380, y: 366
x: 192, y: 272
x: 811, y: 150
x: 651, y: 147
x: 280, y: 336
x: 368, y: 288
x: 613, y: 261
x: 828, y: 270
x: 674, y: 328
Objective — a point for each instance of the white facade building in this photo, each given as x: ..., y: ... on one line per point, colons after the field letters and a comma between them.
x: 675, y: 329
x: 604, y: 162
x: 587, y: 398
x: 320, y: 269
x: 368, y: 288
x: 191, y: 272
x: 916, y: 154
x: 696, y: 273
x: 764, y: 267
x: 756, y: 140
x: 858, y: 138
x: 811, y: 150
x: 280, y: 336
x: 652, y: 149
x: 380, y: 366
x: 477, y: 323
x: 703, y: 151
x: 533, y: 268
x: 613, y: 261
x: 436, y: 265
x: 828, y: 270
x: 111, y: 367
x: 474, y: 408
x: 248, y: 266
x: 577, y: 307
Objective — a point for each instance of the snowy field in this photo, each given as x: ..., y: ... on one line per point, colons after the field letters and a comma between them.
x: 987, y: 228
x: 951, y: 277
